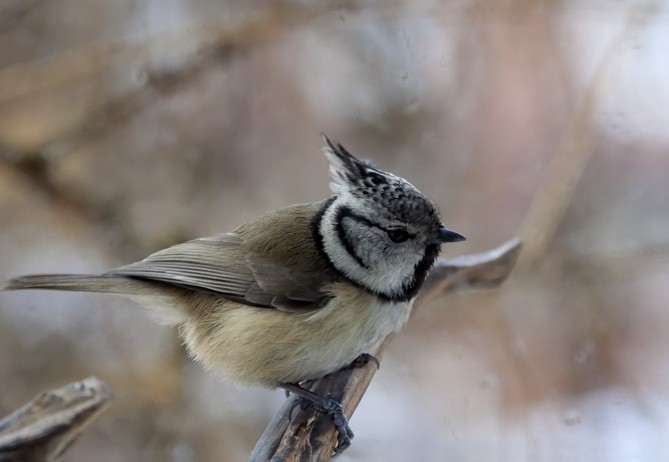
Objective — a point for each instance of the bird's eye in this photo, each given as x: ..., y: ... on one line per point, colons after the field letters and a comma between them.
x: 398, y: 235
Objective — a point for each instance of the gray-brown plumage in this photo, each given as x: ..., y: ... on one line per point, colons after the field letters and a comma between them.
x: 297, y: 293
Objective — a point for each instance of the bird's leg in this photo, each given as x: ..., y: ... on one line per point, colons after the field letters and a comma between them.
x: 305, y: 384
x: 327, y: 406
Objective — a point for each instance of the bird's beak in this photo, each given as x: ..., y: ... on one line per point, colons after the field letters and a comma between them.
x: 446, y: 235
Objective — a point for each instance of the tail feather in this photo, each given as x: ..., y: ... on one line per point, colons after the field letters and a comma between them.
x: 162, y: 306
x: 75, y: 282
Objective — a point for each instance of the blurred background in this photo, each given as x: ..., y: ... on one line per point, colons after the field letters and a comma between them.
x: 127, y: 126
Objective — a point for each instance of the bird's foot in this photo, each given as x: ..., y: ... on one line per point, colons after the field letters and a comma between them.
x: 309, y: 399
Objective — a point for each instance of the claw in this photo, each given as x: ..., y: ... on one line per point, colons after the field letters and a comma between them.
x: 345, y: 434
x: 327, y: 406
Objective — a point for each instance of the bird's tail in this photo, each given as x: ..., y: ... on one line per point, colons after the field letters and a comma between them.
x: 76, y: 283
x: 161, y: 305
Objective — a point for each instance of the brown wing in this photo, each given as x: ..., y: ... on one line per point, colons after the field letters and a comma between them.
x: 244, y: 265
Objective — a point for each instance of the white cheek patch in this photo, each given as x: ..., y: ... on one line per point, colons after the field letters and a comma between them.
x: 387, y: 277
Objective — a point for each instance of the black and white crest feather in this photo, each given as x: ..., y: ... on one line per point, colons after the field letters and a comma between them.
x: 345, y: 169
x: 394, y: 197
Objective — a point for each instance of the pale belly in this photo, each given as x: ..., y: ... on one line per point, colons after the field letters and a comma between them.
x: 265, y: 346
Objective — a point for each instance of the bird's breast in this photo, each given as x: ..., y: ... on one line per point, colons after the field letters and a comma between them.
x: 265, y: 346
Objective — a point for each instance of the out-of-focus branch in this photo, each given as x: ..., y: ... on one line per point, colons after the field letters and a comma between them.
x: 248, y: 28
x: 46, y: 74
x: 577, y: 145
x: 297, y: 434
x: 42, y: 430
x: 177, y: 48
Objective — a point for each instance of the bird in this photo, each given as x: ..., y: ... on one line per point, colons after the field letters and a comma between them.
x: 295, y: 294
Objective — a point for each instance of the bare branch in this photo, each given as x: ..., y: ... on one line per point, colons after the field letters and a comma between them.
x: 43, y: 429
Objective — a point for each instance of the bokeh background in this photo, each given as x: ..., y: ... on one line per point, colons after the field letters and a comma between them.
x: 130, y: 125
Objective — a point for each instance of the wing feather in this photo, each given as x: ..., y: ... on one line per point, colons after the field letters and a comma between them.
x: 223, y: 265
